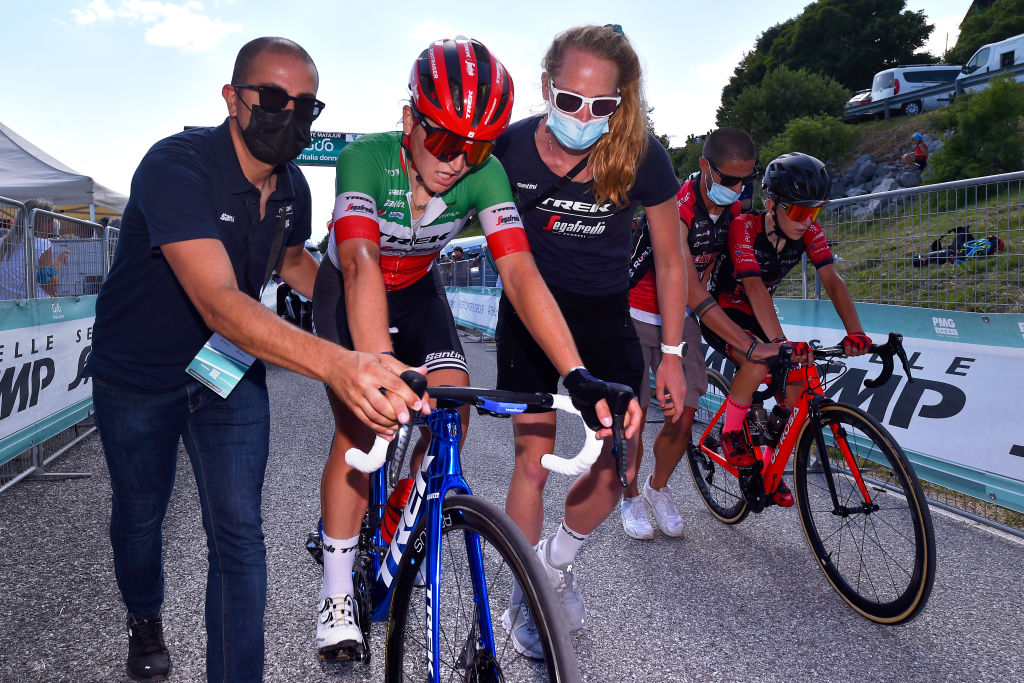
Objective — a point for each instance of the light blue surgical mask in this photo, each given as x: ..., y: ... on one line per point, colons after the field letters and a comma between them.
x: 720, y: 195
x: 573, y: 133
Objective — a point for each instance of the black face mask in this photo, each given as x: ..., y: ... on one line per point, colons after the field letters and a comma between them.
x: 275, y: 138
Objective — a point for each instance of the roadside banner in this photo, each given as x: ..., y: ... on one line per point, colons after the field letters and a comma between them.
x: 43, y: 346
x: 958, y: 421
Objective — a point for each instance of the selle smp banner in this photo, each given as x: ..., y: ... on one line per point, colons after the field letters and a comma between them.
x: 959, y: 421
x: 43, y: 347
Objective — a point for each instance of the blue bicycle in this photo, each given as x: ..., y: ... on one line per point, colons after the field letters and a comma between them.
x: 444, y: 582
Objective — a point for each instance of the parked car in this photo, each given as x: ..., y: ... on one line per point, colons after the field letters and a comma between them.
x: 993, y: 57
x: 861, y: 97
x: 907, y: 78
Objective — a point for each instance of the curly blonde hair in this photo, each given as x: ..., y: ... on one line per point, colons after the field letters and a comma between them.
x: 617, y: 155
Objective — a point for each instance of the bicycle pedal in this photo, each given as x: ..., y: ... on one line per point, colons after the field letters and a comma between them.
x: 314, y: 547
x: 346, y: 652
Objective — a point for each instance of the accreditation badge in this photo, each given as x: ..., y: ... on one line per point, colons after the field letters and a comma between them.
x: 220, y: 365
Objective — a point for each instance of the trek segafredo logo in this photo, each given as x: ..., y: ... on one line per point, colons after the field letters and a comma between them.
x: 578, y: 219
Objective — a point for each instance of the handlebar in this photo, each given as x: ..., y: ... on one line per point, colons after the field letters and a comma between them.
x: 892, y: 347
x: 504, y: 403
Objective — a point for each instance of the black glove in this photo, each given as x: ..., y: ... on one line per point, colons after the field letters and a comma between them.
x: 586, y: 390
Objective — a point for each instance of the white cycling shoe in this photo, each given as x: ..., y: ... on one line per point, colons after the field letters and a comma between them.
x: 337, y: 628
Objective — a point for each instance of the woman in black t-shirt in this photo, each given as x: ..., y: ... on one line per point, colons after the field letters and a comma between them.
x: 581, y: 171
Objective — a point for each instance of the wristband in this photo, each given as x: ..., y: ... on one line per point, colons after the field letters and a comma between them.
x: 677, y: 350
x: 753, y: 345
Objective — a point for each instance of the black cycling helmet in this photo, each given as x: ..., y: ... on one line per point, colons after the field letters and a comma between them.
x: 797, y: 178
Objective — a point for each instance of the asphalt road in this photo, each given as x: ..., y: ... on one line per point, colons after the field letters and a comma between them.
x: 720, y: 604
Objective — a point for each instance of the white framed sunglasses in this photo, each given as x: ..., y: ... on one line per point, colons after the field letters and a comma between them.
x: 569, y: 102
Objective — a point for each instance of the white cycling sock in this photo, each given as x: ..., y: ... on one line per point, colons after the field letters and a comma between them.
x: 339, y: 557
x: 563, y: 547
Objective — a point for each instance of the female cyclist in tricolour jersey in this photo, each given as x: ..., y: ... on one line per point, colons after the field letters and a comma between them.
x: 400, y: 198
x: 763, y: 248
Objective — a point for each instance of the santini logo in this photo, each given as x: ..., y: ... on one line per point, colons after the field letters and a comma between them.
x: 228, y: 218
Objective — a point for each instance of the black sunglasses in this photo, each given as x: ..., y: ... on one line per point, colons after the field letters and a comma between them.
x: 273, y: 99
x: 733, y: 180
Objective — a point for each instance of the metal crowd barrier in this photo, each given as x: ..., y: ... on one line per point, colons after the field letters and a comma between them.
x: 476, y: 272
x: 89, y: 247
x: 884, y: 240
x: 80, y: 251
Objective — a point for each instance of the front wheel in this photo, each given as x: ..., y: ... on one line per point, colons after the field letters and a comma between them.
x: 880, y: 557
x: 717, y: 486
x: 912, y: 108
x: 507, y: 556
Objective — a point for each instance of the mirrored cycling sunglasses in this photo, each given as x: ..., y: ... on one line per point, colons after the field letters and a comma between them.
x: 569, y: 102
x: 273, y: 99
x: 800, y: 213
x: 733, y: 180
x: 447, y: 146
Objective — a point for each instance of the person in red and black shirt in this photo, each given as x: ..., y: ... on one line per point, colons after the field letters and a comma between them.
x: 707, y: 204
x: 763, y: 247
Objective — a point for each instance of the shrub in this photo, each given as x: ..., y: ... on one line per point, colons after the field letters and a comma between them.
x: 986, y: 137
x: 824, y: 137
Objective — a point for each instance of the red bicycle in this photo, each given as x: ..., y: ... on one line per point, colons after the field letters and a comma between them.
x: 861, y: 505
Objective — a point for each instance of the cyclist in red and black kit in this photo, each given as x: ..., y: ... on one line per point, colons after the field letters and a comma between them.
x: 763, y: 248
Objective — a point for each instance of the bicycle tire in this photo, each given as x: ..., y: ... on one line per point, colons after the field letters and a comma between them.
x: 881, y: 562
x: 718, y: 488
x: 507, y: 555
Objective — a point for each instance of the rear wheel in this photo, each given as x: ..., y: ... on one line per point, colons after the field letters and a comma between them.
x: 879, y: 558
x: 507, y: 556
x: 718, y: 488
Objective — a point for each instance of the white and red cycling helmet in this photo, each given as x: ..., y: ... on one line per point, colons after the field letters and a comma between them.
x: 462, y: 87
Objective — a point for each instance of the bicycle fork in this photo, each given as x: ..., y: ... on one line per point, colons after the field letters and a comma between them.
x: 839, y: 436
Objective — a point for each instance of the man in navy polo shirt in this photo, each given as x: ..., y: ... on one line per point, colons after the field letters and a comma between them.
x: 212, y: 212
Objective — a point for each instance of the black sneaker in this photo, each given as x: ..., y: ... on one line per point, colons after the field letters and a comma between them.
x: 148, y: 659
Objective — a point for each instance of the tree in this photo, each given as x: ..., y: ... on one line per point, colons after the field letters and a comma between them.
x: 1001, y: 20
x: 848, y: 40
x: 986, y: 137
x: 784, y: 94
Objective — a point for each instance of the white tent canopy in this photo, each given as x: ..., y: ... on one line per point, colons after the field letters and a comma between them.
x: 27, y: 171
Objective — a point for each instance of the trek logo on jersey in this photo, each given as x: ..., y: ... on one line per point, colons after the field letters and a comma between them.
x: 581, y: 207
x: 574, y: 229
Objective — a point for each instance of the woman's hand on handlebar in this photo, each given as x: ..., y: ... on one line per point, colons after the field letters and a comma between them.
x: 370, y: 386
x: 630, y: 424
x: 591, y: 397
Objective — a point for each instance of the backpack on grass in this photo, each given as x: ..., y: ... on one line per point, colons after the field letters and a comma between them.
x: 962, y: 246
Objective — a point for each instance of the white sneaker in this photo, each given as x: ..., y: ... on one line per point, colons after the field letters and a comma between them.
x: 337, y: 627
x: 518, y: 623
x: 664, y: 509
x: 564, y: 581
x: 634, y: 519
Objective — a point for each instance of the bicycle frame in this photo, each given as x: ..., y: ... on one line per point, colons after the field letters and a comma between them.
x: 804, y: 413
x: 439, y: 474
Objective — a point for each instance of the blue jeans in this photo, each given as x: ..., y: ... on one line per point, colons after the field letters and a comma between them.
x: 227, y: 442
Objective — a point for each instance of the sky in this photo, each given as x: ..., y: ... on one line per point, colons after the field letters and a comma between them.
x: 95, y: 83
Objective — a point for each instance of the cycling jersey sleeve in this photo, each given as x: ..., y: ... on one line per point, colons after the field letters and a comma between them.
x: 817, y: 247
x: 742, y: 231
x: 499, y: 217
x: 358, y: 182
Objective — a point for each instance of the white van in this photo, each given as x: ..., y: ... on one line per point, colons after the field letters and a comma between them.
x: 907, y: 78
x: 993, y: 57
